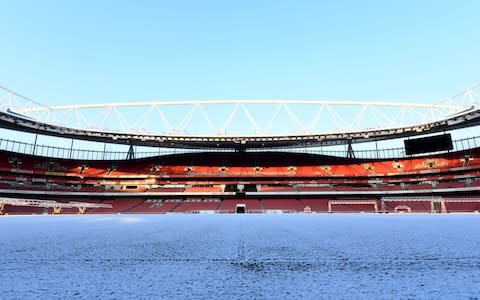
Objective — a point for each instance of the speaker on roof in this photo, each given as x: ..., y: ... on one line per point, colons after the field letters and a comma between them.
x: 429, y: 144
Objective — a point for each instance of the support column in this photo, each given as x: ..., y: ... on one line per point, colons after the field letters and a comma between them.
x: 2, y: 208
x: 131, y: 153
x: 350, y: 152
x: 34, y: 145
x: 104, y: 148
x: 71, y: 150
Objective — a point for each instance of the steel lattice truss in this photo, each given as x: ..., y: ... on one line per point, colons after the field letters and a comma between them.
x: 238, y: 117
x: 235, y: 118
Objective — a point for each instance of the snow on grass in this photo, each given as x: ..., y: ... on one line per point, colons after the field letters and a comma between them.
x: 240, y: 256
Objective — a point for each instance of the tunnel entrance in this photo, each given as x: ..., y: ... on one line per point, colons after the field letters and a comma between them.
x: 241, y: 209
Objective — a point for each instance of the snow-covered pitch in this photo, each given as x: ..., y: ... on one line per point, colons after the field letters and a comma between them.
x: 240, y: 256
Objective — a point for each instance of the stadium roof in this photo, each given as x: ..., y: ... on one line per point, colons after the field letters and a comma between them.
x: 329, y: 122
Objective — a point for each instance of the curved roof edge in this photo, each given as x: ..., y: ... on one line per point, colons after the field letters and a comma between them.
x: 466, y: 118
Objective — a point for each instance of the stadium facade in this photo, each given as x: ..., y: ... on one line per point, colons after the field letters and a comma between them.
x: 303, y: 169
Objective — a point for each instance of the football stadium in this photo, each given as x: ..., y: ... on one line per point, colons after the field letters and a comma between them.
x: 240, y: 156
x: 239, y: 149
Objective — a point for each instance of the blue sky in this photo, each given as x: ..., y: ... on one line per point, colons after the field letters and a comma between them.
x: 60, y: 52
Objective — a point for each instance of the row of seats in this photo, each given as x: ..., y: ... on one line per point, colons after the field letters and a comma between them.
x: 255, y: 205
x: 204, y: 189
x: 242, y: 164
x: 261, y: 188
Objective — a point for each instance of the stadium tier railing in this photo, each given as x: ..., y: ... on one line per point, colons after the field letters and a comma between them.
x: 83, y: 154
